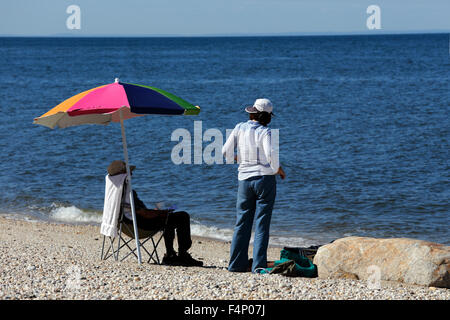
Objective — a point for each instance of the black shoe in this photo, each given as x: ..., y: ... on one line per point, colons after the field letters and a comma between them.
x: 170, y: 259
x: 185, y: 259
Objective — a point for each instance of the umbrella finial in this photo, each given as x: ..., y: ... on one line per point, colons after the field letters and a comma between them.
x: 116, y: 80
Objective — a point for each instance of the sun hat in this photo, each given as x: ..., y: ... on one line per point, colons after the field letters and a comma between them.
x: 118, y: 167
x: 260, y: 105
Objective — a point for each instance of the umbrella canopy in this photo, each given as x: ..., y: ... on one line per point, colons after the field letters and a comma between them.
x: 116, y: 102
x: 102, y: 105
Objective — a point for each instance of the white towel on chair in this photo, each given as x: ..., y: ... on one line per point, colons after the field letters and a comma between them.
x: 111, y: 207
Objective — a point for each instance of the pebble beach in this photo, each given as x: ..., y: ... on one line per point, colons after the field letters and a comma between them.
x: 51, y: 261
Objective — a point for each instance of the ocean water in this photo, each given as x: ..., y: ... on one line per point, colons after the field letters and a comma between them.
x: 363, y: 120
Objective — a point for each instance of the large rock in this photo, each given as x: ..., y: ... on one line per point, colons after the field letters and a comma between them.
x: 399, y: 259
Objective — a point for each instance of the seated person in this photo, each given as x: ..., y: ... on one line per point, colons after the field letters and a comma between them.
x: 151, y: 218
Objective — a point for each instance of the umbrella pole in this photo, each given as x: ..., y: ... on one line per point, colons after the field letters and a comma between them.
x: 133, y: 211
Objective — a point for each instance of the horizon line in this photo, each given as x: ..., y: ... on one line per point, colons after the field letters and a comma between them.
x: 280, y: 34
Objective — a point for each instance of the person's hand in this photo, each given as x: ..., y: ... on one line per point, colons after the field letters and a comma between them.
x: 281, y: 173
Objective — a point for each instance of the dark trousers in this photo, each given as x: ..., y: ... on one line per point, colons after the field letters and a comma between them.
x: 179, y: 221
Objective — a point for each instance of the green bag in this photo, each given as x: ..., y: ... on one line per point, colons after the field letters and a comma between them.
x: 305, y: 266
x: 286, y: 268
x: 292, y: 265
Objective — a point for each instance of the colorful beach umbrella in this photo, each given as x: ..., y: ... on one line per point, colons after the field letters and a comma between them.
x: 102, y: 105
x: 116, y: 102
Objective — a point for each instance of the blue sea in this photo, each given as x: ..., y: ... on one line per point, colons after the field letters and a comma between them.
x: 363, y: 122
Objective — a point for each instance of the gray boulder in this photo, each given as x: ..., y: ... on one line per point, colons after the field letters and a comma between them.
x: 398, y: 259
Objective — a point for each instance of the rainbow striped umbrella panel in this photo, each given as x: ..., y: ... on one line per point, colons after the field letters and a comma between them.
x: 102, y: 105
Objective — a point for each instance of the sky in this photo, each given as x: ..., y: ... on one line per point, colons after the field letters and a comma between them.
x: 219, y: 17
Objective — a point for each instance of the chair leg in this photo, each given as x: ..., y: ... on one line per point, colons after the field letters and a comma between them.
x: 115, y: 254
x: 103, y: 247
x: 155, y: 252
x: 153, y: 256
x: 105, y: 256
x: 134, y: 250
x: 120, y: 237
x: 131, y: 249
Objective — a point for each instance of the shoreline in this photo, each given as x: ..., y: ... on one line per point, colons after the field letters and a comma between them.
x: 33, y: 219
x: 46, y: 261
x: 200, y: 230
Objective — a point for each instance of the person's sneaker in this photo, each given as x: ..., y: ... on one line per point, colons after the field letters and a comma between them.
x: 170, y: 259
x: 185, y: 259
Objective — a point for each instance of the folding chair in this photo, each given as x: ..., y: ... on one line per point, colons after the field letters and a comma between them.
x: 127, y: 229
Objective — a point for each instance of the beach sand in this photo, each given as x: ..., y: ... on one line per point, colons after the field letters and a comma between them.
x: 42, y: 260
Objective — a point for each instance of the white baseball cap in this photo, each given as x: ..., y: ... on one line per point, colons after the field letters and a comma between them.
x: 260, y: 105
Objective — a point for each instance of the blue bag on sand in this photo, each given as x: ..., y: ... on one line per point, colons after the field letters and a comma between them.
x: 292, y: 264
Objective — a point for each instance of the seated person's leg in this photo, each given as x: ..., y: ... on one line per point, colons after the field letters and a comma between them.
x: 169, y: 236
x: 181, y: 221
x: 148, y: 219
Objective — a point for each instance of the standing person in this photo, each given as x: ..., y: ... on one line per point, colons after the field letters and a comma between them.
x: 257, y: 156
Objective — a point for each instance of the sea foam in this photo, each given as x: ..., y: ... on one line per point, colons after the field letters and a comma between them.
x: 72, y: 214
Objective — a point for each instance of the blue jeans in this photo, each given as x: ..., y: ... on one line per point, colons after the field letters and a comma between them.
x: 255, y: 200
